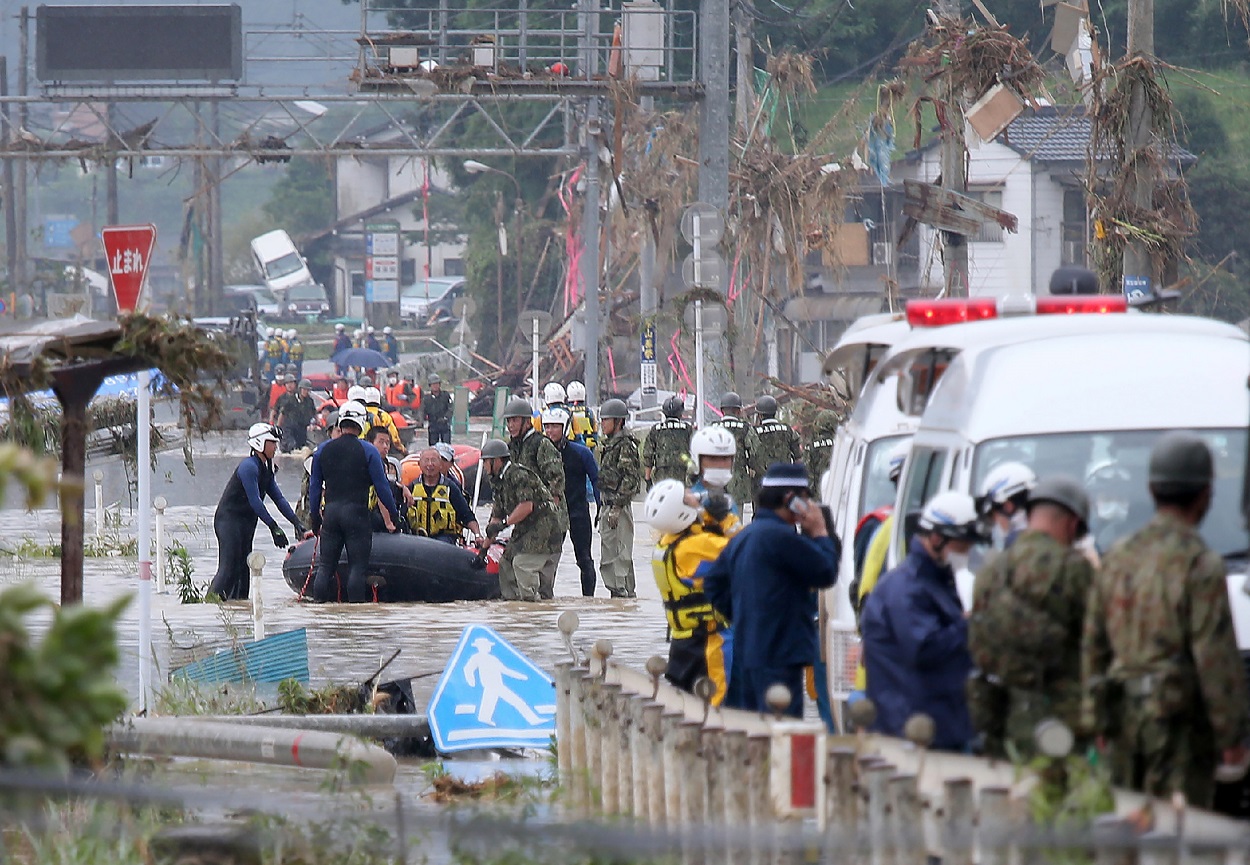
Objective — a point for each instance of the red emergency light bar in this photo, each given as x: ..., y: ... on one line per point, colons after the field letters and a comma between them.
x: 1090, y: 303
x: 950, y: 310
x: 958, y: 310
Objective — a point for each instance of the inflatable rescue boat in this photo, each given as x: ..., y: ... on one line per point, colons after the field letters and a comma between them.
x: 405, y: 569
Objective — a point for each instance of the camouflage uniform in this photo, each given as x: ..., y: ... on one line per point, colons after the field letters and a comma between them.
x: 1163, y: 681
x: 620, y: 476
x: 537, y: 453
x: 778, y: 444
x: 1028, y: 612
x: 747, y: 458
x: 819, y: 451
x: 527, y: 551
x: 666, y: 452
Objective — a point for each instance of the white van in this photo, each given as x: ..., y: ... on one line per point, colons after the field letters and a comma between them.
x: 281, y: 265
x: 1084, y: 396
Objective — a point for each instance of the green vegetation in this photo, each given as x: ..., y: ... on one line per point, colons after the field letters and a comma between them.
x: 181, y: 696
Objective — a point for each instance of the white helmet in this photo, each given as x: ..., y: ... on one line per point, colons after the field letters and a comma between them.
x: 259, y: 433
x: 358, y: 332
x: 339, y: 327
x: 576, y: 392
x: 371, y: 329
x: 898, y: 458
x: 953, y: 515
x: 355, y: 412
x: 712, y: 441
x: 665, y: 508
x: 1005, y: 482
x: 290, y: 334
x: 554, y: 393
x: 356, y: 393
x: 555, y: 416
x: 388, y: 329
x: 373, y: 396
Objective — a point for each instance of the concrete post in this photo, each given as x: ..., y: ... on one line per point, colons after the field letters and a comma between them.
x: 994, y: 825
x: 1139, y: 137
x: 651, y: 718
x: 712, y: 742
x: 594, y: 745
x: 256, y: 563
x: 564, y: 732
x: 590, y: 252
x: 609, y: 749
x: 876, y: 783
x: 160, y: 503
x: 579, y: 793
x: 905, y: 813
x: 638, y: 753
x: 736, y: 815
x: 841, y: 798
x: 957, y: 827
x: 624, y: 759
x: 674, y: 781
x: 98, y: 477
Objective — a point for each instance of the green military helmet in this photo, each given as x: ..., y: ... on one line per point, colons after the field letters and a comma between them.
x: 305, y: 384
x: 826, y: 422
x: 496, y: 449
x: 674, y: 406
x: 613, y: 408
x: 1180, y: 464
x: 1064, y: 491
x: 766, y: 406
x: 517, y: 407
x: 730, y: 399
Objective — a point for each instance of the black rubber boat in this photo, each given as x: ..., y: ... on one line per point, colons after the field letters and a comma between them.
x: 406, y: 569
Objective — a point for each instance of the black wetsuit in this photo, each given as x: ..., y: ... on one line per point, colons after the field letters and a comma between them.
x: 347, y: 467
x: 580, y: 471
x: 242, y: 504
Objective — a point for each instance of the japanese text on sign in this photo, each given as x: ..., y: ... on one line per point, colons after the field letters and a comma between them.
x: 127, y: 261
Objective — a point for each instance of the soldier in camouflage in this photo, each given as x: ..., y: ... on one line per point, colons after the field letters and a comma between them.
x: 778, y: 442
x: 1028, y: 614
x: 620, y: 476
x: 532, y: 449
x: 819, y: 450
x: 1163, y: 681
x: 520, y: 500
x: 664, y: 453
x: 747, y: 463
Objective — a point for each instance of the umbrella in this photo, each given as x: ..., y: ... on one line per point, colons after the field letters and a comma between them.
x: 365, y: 358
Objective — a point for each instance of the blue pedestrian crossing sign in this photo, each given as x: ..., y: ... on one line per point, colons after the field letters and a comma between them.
x: 491, y: 696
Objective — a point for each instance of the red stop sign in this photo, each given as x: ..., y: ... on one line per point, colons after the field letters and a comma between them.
x: 128, y: 249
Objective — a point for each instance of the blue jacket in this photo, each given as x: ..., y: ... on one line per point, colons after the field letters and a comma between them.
x: 765, y: 583
x: 915, y: 640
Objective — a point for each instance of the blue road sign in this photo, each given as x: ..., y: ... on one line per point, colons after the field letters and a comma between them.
x: 491, y: 696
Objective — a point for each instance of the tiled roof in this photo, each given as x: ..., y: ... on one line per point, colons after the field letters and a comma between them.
x: 1059, y: 134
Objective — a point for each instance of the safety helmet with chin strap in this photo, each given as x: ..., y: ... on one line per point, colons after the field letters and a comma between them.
x: 260, y: 433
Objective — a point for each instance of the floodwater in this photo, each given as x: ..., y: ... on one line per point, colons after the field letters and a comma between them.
x: 346, y: 643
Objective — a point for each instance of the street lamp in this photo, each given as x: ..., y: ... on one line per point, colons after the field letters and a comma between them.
x: 474, y: 167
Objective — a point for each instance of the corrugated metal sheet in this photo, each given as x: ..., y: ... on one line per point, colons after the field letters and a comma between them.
x: 282, y: 656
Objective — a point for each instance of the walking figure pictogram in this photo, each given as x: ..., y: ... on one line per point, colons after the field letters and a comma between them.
x: 490, y: 671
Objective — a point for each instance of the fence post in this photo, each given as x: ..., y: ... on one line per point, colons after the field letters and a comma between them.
x: 841, y: 798
x: 957, y: 829
x: 98, y: 477
x: 908, y: 821
x: 564, y: 733
x: 256, y: 562
x: 995, y: 826
x: 579, y: 786
x: 759, y: 802
x: 693, y: 793
x: 160, y: 503
x: 712, y: 743
x: 674, y: 780
x: 609, y: 747
x: 876, y: 780
x: 621, y: 703
x: 737, y: 813
x: 651, y: 715
x: 594, y: 743
x: 639, y: 751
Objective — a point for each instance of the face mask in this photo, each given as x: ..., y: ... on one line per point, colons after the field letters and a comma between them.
x: 1112, y: 511
x: 998, y: 537
x: 717, y: 477
x: 957, y: 561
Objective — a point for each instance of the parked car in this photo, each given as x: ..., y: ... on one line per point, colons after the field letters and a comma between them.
x: 281, y: 265
x: 304, y: 301
x: 419, y: 301
x: 266, y: 302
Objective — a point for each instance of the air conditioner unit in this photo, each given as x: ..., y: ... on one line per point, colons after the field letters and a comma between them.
x: 882, y: 253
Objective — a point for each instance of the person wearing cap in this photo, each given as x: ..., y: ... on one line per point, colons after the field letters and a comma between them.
x: 520, y: 501
x: 533, y: 450
x: 581, y: 474
x: 1163, y: 682
x: 747, y: 465
x: 242, y: 504
x: 343, y: 472
x: 295, y: 351
x: 390, y: 345
x: 436, y: 411
x: 399, y: 393
x: 779, y: 443
x: 765, y: 584
x: 666, y: 448
x: 915, y: 635
x: 342, y: 342
x: 276, y: 389
x: 371, y: 339
x: 1028, y: 612
x: 438, y: 509
x: 379, y: 416
x: 582, y: 424
x: 293, y: 413
x: 819, y: 448
x: 620, y: 478
x: 447, y: 454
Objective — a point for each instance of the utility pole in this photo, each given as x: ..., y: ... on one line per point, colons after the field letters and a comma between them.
x: 954, y: 153
x: 1139, y: 139
x: 216, y: 252
x: 10, y: 226
x: 590, y: 252
x: 111, y: 205
x: 647, y: 300
x: 23, y: 279
x: 714, y: 151
x: 744, y: 37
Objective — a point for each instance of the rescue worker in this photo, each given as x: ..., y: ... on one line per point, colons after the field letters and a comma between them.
x: 665, y: 451
x: 1163, y: 682
x: 344, y: 470
x: 277, y: 387
x: 371, y: 339
x: 554, y: 396
x: 521, y: 500
x: 779, y: 443
x: 765, y: 583
x: 358, y: 338
x: 915, y: 636
x: 872, y: 535
x: 379, y: 416
x: 395, y: 391
x: 332, y: 432
x: 620, y: 476
x: 390, y: 345
x: 819, y: 450
x: 436, y: 411
x: 535, y: 451
x: 293, y: 412
x: 712, y: 452
x: 689, y: 538
x: 1003, y: 500
x: 438, y: 508
x: 584, y: 429
x: 380, y: 438
x: 581, y: 473
x: 242, y: 504
x: 747, y: 465
x: 339, y: 391
x: 447, y: 454
x: 295, y: 353
x: 274, y: 351
x: 1028, y: 613
x: 342, y: 342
